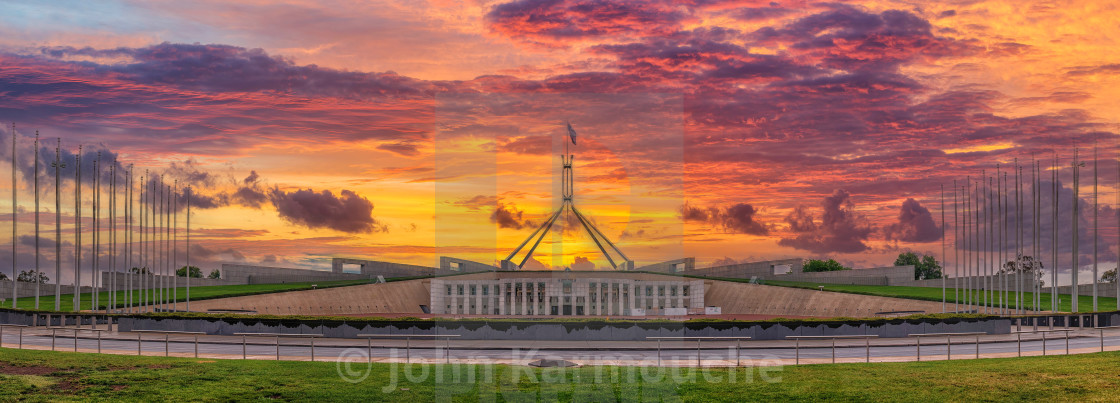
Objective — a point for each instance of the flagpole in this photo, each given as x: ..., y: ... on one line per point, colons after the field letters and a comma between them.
x: 1096, y: 207
x: 78, y: 230
x: 943, y: 271
x: 57, y: 165
x: 956, y: 253
x: 15, y: 220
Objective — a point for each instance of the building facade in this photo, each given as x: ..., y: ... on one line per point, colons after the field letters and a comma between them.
x: 566, y: 294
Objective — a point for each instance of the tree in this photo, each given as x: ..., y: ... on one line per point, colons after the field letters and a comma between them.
x: 140, y: 270
x: 195, y: 272
x: 925, y: 267
x: 822, y: 265
x: 1109, y: 276
x: 28, y: 276
x: 215, y: 274
x: 3, y: 276
x: 1028, y: 264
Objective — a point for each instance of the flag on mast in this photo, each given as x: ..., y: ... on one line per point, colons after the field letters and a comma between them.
x: 571, y: 133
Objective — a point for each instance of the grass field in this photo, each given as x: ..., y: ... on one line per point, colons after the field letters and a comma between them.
x: 59, y: 376
x: 46, y: 302
x: 1084, y: 302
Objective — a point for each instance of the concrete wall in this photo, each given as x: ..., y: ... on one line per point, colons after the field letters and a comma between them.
x: 250, y: 274
x: 133, y: 281
x: 595, y: 331
x: 395, y: 297
x: 996, y: 283
x: 687, y: 264
x: 890, y: 275
x: 464, y: 266
x: 28, y: 290
x: 744, y: 298
x: 762, y: 269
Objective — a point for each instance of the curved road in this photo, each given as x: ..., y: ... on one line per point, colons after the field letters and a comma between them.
x: 711, y: 353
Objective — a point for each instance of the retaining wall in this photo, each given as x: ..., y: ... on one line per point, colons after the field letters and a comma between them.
x: 575, y: 331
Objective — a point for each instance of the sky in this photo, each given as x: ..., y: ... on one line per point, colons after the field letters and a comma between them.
x: 728, y: 131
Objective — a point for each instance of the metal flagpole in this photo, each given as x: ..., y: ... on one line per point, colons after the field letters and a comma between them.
x: 1054, y: 235
x: 993, y: 305
x: 943, y: 248
x: 15, y: 220
x: 174, y: 251
x: 956, y: 253
x: 998, y: 251
x: 96, y: 230
x: 159, y: 244
x: 1074, y: 252
x: 188, y: 248
x: 1005, y: 242
x: 143, y: 265
x: 112, y: 236
x: 1019, y: 302
x: 168, y: 271
x: 78, y: 230
x: 1036, y: 178
x: 128, y: 239
x: 966, y: 231
x: 38, y: 274
x: 57, y: 164
x: 1096, y: 206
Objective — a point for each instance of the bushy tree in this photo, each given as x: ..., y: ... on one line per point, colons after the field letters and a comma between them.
x: 812, y: 265
x: 195, y: 272
x: 3, y: 276
x: 1109, y: 276
x: 140, y: 270
x: 1028, y: 264
x: 28, y: 276
x: 925, y: 267
x: 215, y: 274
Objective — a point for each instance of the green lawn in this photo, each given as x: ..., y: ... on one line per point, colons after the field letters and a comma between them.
x: 1084, y: 302
x: 46, y: 302
x: 60, y: 376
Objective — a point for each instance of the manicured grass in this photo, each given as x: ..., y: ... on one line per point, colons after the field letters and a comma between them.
x: 60, y: 376
x: 46, y: 302
x: 1084, y: 302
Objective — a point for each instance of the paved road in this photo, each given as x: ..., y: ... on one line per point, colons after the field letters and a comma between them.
x: 712, y: 353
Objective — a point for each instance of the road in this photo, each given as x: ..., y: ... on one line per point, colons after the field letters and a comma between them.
x: 676, y: 353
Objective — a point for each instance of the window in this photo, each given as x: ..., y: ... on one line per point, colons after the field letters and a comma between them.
x: 485, y: 290
x: 449, y: 292
x: 660, y: 291
x: 460, y: 290
x: 473, y: 290
x: 649, y: 291
x: 684, y: 290
x: 673, y: 291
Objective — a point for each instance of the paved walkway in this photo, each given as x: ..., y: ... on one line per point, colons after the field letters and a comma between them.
x: 630, y: 353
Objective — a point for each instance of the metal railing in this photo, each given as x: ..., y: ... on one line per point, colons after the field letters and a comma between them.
x: 1102, y: 329
x: 20, y: 327
x: 948, y: 342
x: 738, y: 344
x: 408, y: 343
x: 1019, y: 337
x: 166, y: 340
x: 277, y: 337
x: 797, y: 344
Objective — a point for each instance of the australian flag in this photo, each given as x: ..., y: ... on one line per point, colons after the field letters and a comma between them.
x: 571, y: 132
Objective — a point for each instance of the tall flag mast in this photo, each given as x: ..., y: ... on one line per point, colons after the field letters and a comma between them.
x: 567, y: 205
